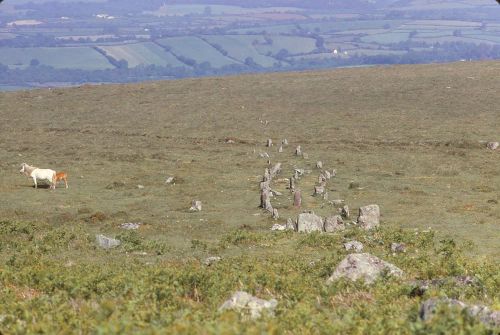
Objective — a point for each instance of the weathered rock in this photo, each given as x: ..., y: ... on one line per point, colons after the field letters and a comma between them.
x: 169, y: 180
x: 141, y: 187
x: 297, y: 199
x: 327, y: 175
x: 290, y: 224
x: 363, y: 266
x: 318, y: 190
x: 267, y: 175
x: 244, y: 302
x: 264, y: 155
x: 211, y: 260
x: 398, y: 247
x: 269, y: 143
x: 492, y: 145
x: 278, y: 227
x: 265, y: 200
x: 319, y: 164
x: 265, y: 185
x: 130, y: 225
x: 275, y: 170
x: 276, y: 215
x: 280, y: 149
x: 285, y: 141
x: 334, y: 173
x: 299, y: 172
x: 195, y: 206
x: 107, y: 242
x: 298, y: 150
x: 429, y: 308
x: 353, y: 245
x: 344, y: 212
x: 337, y: 202
x: 291, y: 184
x: 321, y: 178
x: 333, y: 223
x: 309, y: 222
x: 369, y: 217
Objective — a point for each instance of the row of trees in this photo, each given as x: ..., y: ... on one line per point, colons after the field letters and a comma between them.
x: 41, y: 74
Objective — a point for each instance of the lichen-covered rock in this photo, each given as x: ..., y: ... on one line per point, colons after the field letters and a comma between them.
x: 309, y: 222
x: 290, y: 225
x: 107, y: 242
x: 492, y: 145
x: 333, y: 223
x: 244, y: 302
x: 365, y: 267
x: 353, y: 245
x: 195, y: 206
x: 369, y: 217
x: 429, y: 308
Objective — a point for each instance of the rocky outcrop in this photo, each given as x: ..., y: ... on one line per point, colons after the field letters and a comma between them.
x: 363, y: 267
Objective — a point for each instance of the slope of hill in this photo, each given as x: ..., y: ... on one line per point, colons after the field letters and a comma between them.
x: 408, y: 138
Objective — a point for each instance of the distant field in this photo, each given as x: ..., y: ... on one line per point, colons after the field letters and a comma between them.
x: 84, y: 58
x: 142, y: 53
x: 293, y: 44
x: 195, y: 48
x: 242, y: 46
x: 181, y: 10
x: 388, y: 38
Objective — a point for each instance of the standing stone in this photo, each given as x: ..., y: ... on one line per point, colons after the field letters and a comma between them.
x: 243, y: 302
x: 284, y: 142
x: 267, y: 175
x: 363, y: 266
x: 333, y: 223
x: 334, y: 173
x: 265, y: 200
x: 280, y: 148
x: 369, y: 217
x: 492, y: 145
x: 265, y: 185
x: 275, y: 170
x: 276, y: 216
x: 308, y: 222
x: 269, y: 143
x: 321, y: 178
x: 344, y: 212
x: 291, y: 184
x: 297, y: 199
x: 353, y: 245
x: 319, y: 164
x: 298, y: 150
x: 195, y: 206
x: 106, y: 242
x: 327, y: 174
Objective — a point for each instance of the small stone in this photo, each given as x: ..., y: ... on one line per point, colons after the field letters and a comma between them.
x: 290, y: 225
x: 298, y: 150
x: 169, y: 180
x: 280, y: 149
x: 243, y: 302
x: 264, y: 155
x: 107, y: 242
x: 140, y: 187
x: 195, y: 206
x: 319, y: 164
x: 130, y: 226
x: 398, y: 247
x: 337, y: 202
x: 278, y: 227
x: 269, y: 143
x: 276, y: 215
x: 327, y: 174
x: 344, y: 212
x: 212, y: 260
x: 353, y: 245
x: 318, y: 190
x: 285, y: 141
x: 492, y: 145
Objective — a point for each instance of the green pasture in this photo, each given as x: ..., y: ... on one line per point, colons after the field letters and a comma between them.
x: 293, y: 44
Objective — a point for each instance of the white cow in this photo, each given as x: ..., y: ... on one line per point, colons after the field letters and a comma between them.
x: 42, y: 174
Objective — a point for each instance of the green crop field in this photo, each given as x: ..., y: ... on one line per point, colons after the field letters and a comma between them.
x: 293, y: 44
x: 195, y: 48
x: 84, y: 58
x: 388, y: 38
x: 142, y: 53
x: 408, y: 138
x: 240, y: 47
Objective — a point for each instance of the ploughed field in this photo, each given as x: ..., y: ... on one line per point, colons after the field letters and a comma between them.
x: 408, y: 138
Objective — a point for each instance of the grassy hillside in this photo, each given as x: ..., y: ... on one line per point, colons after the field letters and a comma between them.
x: 409, y: 136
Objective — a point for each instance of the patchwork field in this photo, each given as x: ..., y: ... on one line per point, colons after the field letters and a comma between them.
x: 408, y: 138
x: 142, y: 53
x: 84, y: 58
